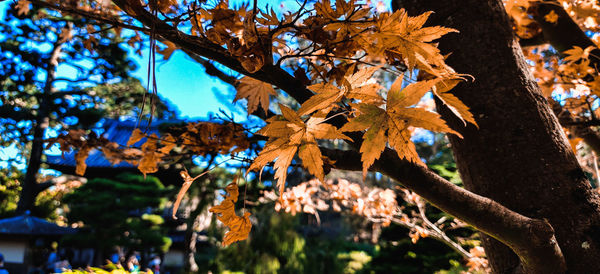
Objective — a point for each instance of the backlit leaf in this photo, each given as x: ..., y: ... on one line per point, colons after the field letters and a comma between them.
x: 135, y: 137
x: 239, y: 227
x: 256, y: 92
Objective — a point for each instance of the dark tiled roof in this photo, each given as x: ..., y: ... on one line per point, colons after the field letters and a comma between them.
x: 29, y: 225
x: 115, y: 131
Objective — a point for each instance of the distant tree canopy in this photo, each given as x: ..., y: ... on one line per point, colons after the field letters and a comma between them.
x: 58, y: 74
x: 125, y: 211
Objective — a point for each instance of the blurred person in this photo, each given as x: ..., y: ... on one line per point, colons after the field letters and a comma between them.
x: 133, y: 265
x: 154, y: 265
x: 116, y: 257
x: 62, y: 264
x: 52, y: 258
x: 2, y: 269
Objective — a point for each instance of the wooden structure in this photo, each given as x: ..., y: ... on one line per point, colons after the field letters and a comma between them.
x: 23, y: 237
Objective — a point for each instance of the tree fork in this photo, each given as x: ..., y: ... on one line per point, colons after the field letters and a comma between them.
x: 564, y: 35
x: 519, y: 156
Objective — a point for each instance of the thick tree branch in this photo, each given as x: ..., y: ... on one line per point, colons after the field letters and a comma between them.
x: 344, y: 159
x: 564, y: 35
x: 486, y: 215
x: 537, y: 40
x: 582, y: 130
x: 511, y: 228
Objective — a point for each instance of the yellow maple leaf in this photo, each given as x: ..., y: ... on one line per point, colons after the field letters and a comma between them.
x: 312, y: 159
x: 287, y: 134
x: 363, y: 87
x: 256, y: 92
x: 239, y: 227
x: 403, y: 35
x: 576, y: 53
x: 441, y: 90
x: 356, y: 86
x: 390, y: 125
x: 326, y: 94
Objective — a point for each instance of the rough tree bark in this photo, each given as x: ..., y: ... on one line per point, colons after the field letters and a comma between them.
x: 519, y: 156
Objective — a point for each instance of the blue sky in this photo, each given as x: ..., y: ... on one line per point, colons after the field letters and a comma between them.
x: 183, y: 81
x: 180, y: 80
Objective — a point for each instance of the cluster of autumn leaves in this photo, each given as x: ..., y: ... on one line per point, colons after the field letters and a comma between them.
x: 195, y: 138
x: 385, y: 121
x: 239, y: 227
x: 570, y: 78
x: 585, y: 13
x: 567, y: 76
x: 342, y: 46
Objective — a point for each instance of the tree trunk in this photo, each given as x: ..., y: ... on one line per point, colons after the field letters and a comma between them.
x: 192, y: 223
x: 28, y: 191
x: 519, y: 156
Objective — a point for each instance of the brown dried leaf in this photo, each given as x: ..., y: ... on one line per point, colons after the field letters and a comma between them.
x: 80, y: 158
x: 187, y: 182
x: 256, y: 92
x: 23, y: 7
x: 136, y: 136
x: 239, y: 227
x: 168, y: 144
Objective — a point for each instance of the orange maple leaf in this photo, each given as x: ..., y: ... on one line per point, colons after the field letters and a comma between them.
x: 80, y: 158
x: 239, y: 227
x: 390, y: 125
x: 150, y: 158
x: 256, y: 92
x: 23, y: 7
x: 287, y: 134
x: 135, y: 137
